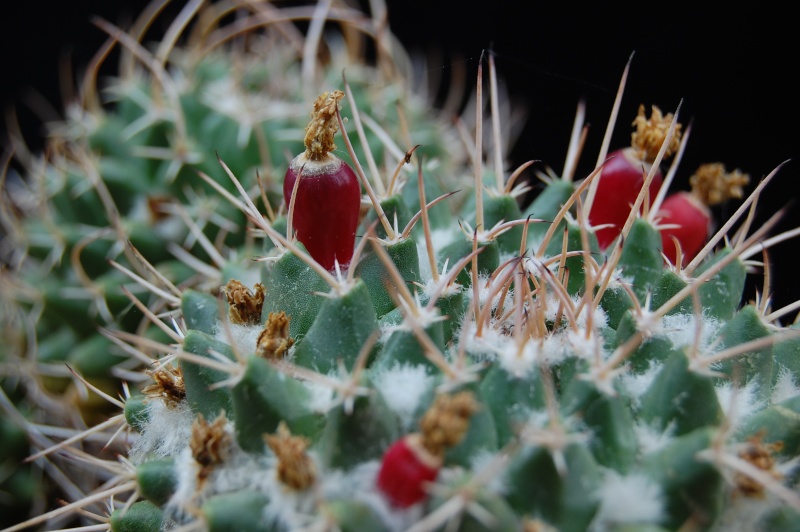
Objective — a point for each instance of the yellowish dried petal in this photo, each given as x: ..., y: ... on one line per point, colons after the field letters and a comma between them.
x: 168, y: 385
x: 444, y: 424
x: 295, y: 467
x: 323, y: 126
x: 244, y: 305
x: 274, y: 341
x: 712, y: 184
x: 210, y: 443
x: 762, y: 456
x: 649, y: 134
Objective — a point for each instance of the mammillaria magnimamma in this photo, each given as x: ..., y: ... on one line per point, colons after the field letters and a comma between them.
x: 461, y: 361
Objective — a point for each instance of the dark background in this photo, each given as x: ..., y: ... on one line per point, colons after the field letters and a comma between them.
x: 733, y: 71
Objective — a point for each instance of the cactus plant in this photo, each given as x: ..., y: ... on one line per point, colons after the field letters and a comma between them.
x: 180, y: 355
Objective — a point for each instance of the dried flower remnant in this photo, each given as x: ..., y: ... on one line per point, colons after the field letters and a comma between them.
x: 274, y: 341
x: 761, y: 455
x: 168, y: 385
x: 245, y: 305
x: 446, y: 421
x: 296, y: 469
x: 210, y: 443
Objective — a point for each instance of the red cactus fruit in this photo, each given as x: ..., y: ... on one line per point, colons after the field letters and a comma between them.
x: 406, y: 468
x: 621, y: 180
x: 624, y: 174
x: 327, y: 196
x: 415, y: 460
x: 686, y: 216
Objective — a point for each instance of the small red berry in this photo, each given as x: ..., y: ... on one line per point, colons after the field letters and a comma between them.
x: 326, y: 209
x: 689, y: 212
x: 405, y: 470
x: 621, y: 180
x: 415, y: 460
x: 692, y: 221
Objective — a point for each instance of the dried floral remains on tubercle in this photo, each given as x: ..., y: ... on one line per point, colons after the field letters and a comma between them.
x: 244, y: 305
x: 761, y: 455
x: 649, y: 133
x: 210, y: 443
x: 295, y: 467
x: 274, y: 341
x: 323, y: 126
x: 446, y: 422
x: 712, y: 184
x: 168, y: 385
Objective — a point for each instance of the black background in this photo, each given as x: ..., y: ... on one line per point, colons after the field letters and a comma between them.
x: 734, y: 72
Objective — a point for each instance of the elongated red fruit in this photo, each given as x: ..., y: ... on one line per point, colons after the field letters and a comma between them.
x: 686, y: 216
x: 623, y: 175
x: 327, y: 200
x: 621, y: 180
x: 406, y: 468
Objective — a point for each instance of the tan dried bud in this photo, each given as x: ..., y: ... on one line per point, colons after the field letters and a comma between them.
x: 168, y: 385
x: 323, y: 126
x: 650, y: 133
x: 759, y: 454
x: 274, y: 341
x: 712, y: 184
x: 244, y: 305
x: 295, y: 467
x: 210, y: 442
x: 446, y: 422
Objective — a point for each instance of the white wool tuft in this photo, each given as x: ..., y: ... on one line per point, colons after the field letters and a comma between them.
x: 184, y: 498
x: 402, y: 387
x: 519, y: 361
x: 740, y: 402
x: 358, y: 484
x: 628, y: 499
x: 636, y: 384
x: 487, y: 345
x: 585, y: 347
x: 555, y: 348
x: 598, y: 315
x: 484, y: 289
x: 243, y: 338
x: 785, y: 387
x: 551, y: 307
x: 651, y: 439
x: 481, y: 461
x: 681, y: 329
x: 322, y: 396
x: 165, y: 433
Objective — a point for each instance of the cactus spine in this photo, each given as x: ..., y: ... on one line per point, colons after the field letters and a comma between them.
x: 479, y: 364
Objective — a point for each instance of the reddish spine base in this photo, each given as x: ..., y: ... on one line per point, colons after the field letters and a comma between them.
x: 693, y: 219
x: 406, y: 468
x: 619, y: 184
x: 326, y: 210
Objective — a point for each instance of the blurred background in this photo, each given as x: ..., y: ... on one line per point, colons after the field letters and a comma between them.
x: 732, y: 72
